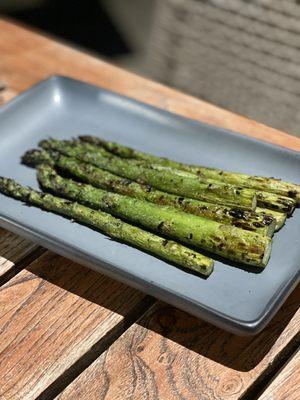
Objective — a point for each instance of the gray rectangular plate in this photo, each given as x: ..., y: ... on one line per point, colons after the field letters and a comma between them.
x: 235, y: 298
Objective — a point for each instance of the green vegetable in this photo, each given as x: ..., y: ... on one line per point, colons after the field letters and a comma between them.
x: 116, y: 228
x: 166, y: 180
x: 173, y: 180
x: 230, y: 242
x: 264, y: 199
x: 261, y: 223
x: 254, y: 182
x: 279, y: 217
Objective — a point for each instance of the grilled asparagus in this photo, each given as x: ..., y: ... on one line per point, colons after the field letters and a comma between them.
x: 116, y: 228
x: 230, y: 242
x: 164, y: 180
x: 272, y: 185
x: 249, y: 220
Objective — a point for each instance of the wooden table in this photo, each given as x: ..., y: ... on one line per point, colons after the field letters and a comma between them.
x: 71, y: 333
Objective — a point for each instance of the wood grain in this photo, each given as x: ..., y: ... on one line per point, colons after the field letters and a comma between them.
x: 286, y: 386
x: 27, y: 57
x: 170, y: 355
x: 13, y: 249
x: 6, y: 95
x: 53, y: 314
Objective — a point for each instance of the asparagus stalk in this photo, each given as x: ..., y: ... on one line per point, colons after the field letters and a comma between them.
x: 115, y: 228
x: 164, y: 180
x: 276, y: 202
x: 230, y: 242
x: 264, y: 199
x: 249, y: 220
x: 254, y: 182
x: 279, y: 217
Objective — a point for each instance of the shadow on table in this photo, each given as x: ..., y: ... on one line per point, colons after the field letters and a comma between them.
x: 236, y: 352
x: 90, y: 285
x: 241, y: 353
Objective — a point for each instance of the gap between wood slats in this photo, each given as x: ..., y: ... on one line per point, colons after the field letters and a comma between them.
x: 52, y: 274
x: 264, y: 381
x: 171, y: 354
x: 21, y: 264
x: 6, y: 94
x: 88, y: 358
x: 286, y: 384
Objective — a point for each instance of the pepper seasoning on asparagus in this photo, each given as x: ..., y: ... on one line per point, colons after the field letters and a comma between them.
x: 279, y: 217
x: 172, y: 180
x: 264, y: 199
x: 261, y: 223
x: 272, y: 185
x: 116, y: 228
x: 230, y: 242
x: 164, y: 180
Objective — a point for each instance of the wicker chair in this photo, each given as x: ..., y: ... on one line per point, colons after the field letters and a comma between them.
x: 243, y: 55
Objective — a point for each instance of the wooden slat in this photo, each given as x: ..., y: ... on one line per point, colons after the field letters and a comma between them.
x: 6, y: 95
x: 13, y: 249
x: 171, y: 355
x: 30, y: 57
x: 287, y: 384
x: 51, y: 316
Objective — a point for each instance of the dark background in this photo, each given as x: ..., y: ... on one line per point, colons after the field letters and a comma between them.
x: 83, y: 23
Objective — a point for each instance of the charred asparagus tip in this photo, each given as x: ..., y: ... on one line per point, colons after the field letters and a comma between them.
x: 35, y: 157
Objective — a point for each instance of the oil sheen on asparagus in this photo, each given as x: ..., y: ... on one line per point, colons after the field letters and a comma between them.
x: 116, y: 228
x: 218, y: 193
x: 230, y: 242
x: 264, y: 199
x: 172, y: 180
x: 255, y: 182
x: 261, y: 223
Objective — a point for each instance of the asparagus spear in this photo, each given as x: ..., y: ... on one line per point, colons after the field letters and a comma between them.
x: 279, y: 217
x: 264, y: 199
x: 259, y: 220
x: 254, y: 182
x: 116, y: 228
x: 163, y: 180
x: 249, y: 220
x: 230, y: 242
